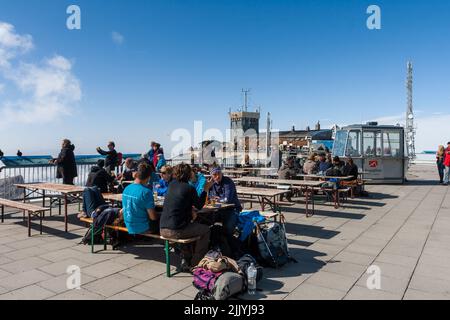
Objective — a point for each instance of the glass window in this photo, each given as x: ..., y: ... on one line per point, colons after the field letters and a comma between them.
x: 379, y: 151
x: 339, y: 143
x: 369, y: 143
x: 353, y: 144
x: 391, y: 142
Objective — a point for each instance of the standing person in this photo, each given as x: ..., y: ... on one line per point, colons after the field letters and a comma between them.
x: 440, y: 157
x: 111, y: 160
x: 156, y: 151
x: 138, y: 210
x: 66, y: 166
x: 447, y: 164
x: 179, y: 215
x: 161, y: 162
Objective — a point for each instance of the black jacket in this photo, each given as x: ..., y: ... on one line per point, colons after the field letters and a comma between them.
x: 100, y: 178
x: 351, y: 170
x: 66, y: 165
x: 178, y: 203
x: 111, y: 159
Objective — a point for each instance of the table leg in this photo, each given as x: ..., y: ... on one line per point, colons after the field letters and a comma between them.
x: 312, y: 200
x: 43, y: 201
x: 29, y: 224
x: 3, y: 213
x: 59, y: 205
x: 65, y: 211
x: 307, y: 202
x: 41, y: 215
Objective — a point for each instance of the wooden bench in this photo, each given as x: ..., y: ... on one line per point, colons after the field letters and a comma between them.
x: 167, y: 242
x: 31, y: 209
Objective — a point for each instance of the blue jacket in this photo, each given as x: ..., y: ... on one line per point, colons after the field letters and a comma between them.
x: 226, y: 189
x: 161, y: 163
x: 324, y: 166
x: 246, y: 223
x: 163, y: 187
x: 200, y: 184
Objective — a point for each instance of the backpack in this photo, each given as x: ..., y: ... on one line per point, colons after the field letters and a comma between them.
x: 216, y: 262
x: 98, y: 236
x: 245, y: 261
x: 227, y: 285
x: 92, y: 200
x: 217, y: 286
x: 272, y: 244
x: 204, y: 280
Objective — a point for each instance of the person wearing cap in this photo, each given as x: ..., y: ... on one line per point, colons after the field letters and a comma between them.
x: 350, y: 169
x: 99, y: 177
x: 447, y: 164
x: 224, y: 190
x: 165, y: 181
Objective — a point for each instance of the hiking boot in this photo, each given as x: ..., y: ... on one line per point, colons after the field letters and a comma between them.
x: 185, y: 266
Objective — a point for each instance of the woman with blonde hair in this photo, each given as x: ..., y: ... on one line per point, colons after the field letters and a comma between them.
x: 440, y: 157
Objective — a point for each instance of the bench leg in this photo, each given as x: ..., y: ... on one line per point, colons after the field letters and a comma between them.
x: 3, y: 213
x: 167, y: 251
x: 59, y: 205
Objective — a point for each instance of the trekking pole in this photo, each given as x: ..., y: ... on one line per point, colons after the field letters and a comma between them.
x: 264, y: 240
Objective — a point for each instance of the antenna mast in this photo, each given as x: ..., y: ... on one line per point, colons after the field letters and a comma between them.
x: 410, y: 130
x: 245, y: 92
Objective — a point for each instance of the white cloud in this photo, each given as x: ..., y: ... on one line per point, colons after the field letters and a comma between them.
x: 12, y: 44
x: 117, y: 38
x: 48, y: 89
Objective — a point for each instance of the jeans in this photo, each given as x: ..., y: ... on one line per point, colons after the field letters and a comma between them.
x: 441, y: 169
x: 229, y: 222
x: 447, y: 173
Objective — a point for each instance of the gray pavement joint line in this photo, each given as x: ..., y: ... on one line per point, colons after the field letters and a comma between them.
x: 424, y: 244
x: 386, y: 213
x: 412, y: 212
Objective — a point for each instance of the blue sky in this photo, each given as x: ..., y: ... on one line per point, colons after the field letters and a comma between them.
x: 181, y: 61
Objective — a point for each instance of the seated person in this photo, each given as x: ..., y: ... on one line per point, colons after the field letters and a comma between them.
x: 323, y: 165
x: 100, y: 178
x: 337, y: 170
x: 161, y: 162
x: 179, y: 215
x: 197, y: 180
x: 165, y: 181
x: 287, y: 170
x: 129, y: 169
x: 350, y: 169
x: 224, y: 190
x: 310, y: 166
x: 138, y: 210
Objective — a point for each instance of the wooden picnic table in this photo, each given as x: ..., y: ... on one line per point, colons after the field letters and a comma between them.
x: 306, y: 186
x: 41, y: 188
x: 265, y: 196
x: 159, y: 202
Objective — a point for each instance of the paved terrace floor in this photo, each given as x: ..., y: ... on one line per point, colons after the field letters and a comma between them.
x: 404, y: 230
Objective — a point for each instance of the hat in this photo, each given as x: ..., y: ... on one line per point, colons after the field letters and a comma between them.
x: 215, y: 170
x: 101, y: 163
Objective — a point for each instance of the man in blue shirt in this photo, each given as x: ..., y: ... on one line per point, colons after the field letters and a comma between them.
x: 224, y: 190
x: 138, y: 204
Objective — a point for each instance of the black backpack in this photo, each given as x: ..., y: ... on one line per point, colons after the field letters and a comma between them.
x: 245, y: 261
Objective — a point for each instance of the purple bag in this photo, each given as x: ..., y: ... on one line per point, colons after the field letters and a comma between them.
x: 205, y: 280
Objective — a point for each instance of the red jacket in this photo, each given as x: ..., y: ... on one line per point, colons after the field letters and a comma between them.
x: 447, y: 157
